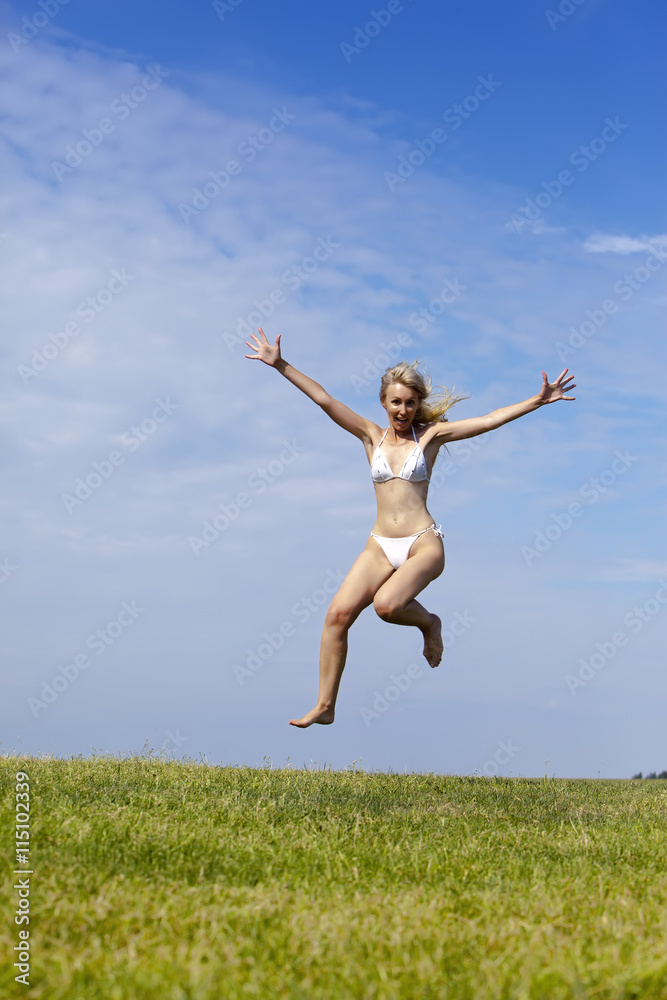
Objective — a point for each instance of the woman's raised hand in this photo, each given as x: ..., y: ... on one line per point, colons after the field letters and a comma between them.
x: 551, y: 391
x: 266, y: 352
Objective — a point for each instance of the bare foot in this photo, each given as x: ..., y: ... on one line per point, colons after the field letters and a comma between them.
x: 433, y: 645
x: 324, y: 716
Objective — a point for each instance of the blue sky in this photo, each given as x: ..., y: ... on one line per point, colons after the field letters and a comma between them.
x: 476, y: 186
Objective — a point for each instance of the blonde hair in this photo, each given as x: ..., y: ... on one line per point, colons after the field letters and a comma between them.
x: 434, y: 403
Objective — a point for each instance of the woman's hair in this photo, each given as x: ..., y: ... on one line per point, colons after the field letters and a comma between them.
x: 434, y: 403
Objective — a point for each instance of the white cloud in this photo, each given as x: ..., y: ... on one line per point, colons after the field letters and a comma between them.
x: 602, y: 243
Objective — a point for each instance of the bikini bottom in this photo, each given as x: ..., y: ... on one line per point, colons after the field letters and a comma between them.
x: 397, y: 550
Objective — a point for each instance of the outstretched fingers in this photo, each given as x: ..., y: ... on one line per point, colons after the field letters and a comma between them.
x: 253, y: 347
x: 567, y: 385
x: 260, y: 346
x: 561, y: 385
x: 264, y: 351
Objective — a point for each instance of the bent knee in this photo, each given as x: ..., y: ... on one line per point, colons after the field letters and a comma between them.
x: 385, y: 609
x: 340, y: 616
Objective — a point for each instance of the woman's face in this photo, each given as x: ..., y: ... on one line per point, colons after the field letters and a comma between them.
x: 401, y: 404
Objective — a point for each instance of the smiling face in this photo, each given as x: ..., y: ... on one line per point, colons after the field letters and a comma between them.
x: 401, y: 404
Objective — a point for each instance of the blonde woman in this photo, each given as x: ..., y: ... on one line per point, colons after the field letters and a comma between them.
x: 404, y: 551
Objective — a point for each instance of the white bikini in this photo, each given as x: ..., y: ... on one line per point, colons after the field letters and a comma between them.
x: 414, y: 470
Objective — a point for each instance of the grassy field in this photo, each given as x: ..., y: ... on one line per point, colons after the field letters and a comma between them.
x: 167, y: 879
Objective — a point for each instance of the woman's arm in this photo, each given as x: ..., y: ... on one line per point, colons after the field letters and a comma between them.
x: 341, y: 414
x: 549, y: 393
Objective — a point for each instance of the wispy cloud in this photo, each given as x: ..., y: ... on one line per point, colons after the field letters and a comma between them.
x: 602, y: 243
x: 635, y: 571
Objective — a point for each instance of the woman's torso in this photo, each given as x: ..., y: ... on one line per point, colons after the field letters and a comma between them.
x: 401, y: 504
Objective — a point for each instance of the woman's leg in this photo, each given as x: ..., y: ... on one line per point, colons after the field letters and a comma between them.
x: 369, y: 572
x: 394, y: 602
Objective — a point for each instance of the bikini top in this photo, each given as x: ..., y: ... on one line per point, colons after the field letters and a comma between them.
x: 414, y: 467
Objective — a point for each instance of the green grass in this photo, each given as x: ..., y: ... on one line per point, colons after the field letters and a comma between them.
x: 167, y: 879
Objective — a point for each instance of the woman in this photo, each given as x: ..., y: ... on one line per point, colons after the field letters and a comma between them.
x: 404, y: 551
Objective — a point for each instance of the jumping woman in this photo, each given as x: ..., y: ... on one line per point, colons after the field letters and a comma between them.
x: 404, y: 551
